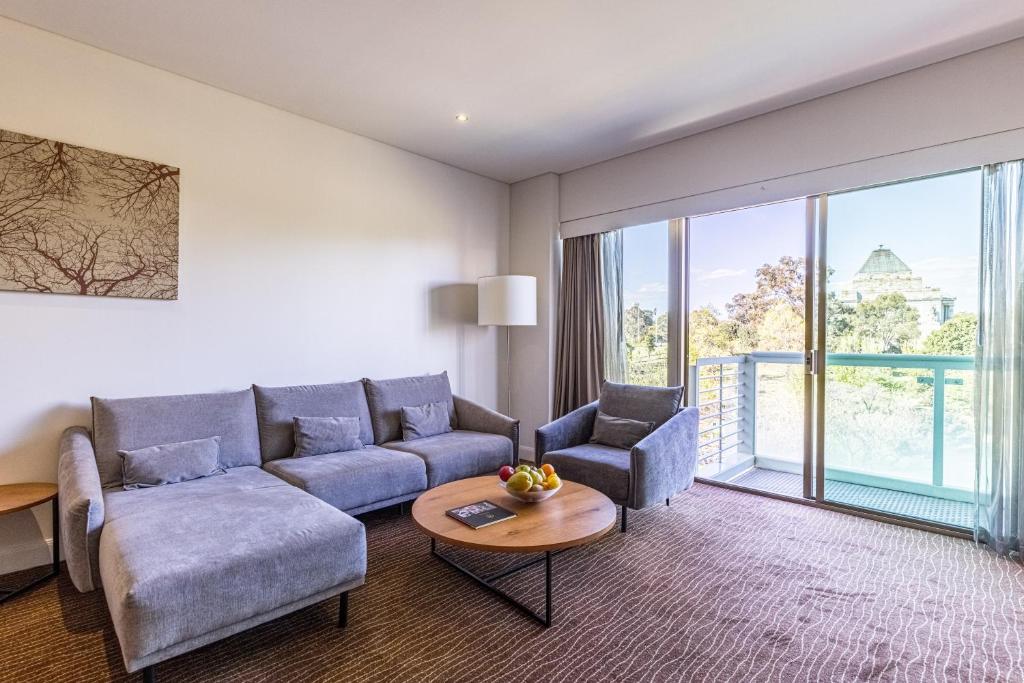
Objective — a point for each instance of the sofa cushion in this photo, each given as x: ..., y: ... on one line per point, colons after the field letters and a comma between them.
x: 319, y: 435
x: 595, y: 465
x: 119, y: 502
x: 619, y: 432
x: 127, y: 424
x: 458, y: 455
x: 354, y: 479
x: 171, y: 463
x: 387, y: 397
x: 176, y: 570
x: 426, y: 420
x: 277, y: 406
x: 647, y: 404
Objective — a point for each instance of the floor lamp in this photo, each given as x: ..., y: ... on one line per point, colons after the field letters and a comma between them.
x: 507, y: 300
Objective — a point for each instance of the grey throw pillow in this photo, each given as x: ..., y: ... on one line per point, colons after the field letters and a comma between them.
x: 619, y: 432
x: 429, y: 419
x: 319, y: 435
x: 171, y: 463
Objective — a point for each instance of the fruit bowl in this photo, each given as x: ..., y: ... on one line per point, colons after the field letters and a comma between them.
x: 530, y: 496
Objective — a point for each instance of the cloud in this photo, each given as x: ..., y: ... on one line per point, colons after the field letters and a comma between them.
x: 718, y: 273
x: 652, y: 288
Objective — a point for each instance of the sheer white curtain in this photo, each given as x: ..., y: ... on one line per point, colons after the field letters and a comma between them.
x: 999, y: 399
x: 611, y: 287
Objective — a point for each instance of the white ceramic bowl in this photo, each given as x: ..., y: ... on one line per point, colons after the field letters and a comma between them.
x: 530, y: 496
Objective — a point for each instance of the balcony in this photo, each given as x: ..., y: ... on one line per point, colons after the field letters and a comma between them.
x: 899, y: 434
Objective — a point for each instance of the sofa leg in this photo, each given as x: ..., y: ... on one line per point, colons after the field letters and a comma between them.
x: 668, y: 501
x: 623, y: 527
x: 343, y: 610
x: 149, y: 674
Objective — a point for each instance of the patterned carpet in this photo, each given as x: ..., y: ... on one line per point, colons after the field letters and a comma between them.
x: 722, y: 586
x: 930, y: 508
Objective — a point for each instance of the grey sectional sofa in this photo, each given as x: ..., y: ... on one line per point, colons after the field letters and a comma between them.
x: 185, y: 564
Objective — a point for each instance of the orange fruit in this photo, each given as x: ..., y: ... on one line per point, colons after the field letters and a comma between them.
x: 548, y: 469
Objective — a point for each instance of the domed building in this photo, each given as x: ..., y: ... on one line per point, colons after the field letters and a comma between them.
x: 885, y: 273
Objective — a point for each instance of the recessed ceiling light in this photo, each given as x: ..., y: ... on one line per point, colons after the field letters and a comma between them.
x: 462, y: 118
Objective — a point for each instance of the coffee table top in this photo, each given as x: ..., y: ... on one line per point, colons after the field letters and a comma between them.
x: 16, y: 497
x: 574, y: 516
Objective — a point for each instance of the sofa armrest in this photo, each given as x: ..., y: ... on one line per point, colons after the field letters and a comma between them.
x: 80, y: 503
x: 474, y: 417
x: 572, y: 429
x: 664, y: 462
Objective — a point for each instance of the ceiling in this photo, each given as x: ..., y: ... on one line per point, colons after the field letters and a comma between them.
x: 549, y: 85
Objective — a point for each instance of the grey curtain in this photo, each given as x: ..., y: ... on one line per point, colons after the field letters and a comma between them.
x: 579, y: 340
x: 999, y: 386
x: 611, y: 289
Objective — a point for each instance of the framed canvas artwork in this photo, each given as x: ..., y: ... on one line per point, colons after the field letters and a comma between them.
x: 75, y: 220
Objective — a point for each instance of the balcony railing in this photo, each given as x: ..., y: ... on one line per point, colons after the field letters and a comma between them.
x: 900, y: 422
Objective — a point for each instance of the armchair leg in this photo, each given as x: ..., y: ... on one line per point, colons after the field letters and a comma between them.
x: 623, y: 526
x: 149, y: 674
x: 668, y: 501
x: 343, y: 610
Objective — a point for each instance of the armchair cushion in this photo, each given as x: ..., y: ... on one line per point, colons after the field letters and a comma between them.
x: 387, y: 396
x: 81, y: 508
x: 635, y: 402
x: 619, y: 432
x: 458, y: 454
x: 600, y: 467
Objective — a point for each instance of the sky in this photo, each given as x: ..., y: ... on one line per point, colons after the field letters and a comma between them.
x: 932, y: 224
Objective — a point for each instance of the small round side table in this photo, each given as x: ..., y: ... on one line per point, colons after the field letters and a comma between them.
x: 18, y: 497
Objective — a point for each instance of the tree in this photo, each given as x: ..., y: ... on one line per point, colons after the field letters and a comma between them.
x: 886, y: 324
x: 957, y: 337
x: 840, y: 324
x: 781, y: 329
x: 782, y: 283
x: 637, y: 321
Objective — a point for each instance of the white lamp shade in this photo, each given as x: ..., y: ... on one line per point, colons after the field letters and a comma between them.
x: 507, y: 300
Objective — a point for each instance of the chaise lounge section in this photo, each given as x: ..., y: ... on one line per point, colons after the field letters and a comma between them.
x: 186, y: 564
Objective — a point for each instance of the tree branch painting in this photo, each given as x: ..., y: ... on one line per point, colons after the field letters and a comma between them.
x: 75, y: 220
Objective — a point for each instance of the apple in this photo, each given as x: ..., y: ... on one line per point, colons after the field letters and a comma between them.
x: 536, y: 488
x: 505, y: 472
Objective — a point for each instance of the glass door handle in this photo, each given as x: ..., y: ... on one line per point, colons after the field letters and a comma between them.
x: 811, y: 366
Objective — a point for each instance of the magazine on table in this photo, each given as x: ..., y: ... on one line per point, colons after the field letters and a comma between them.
x: 480, y: 514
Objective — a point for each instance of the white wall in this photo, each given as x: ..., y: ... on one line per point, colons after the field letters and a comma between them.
x: 534, y: 250
x: 308, y: 254
x: 961, y: 112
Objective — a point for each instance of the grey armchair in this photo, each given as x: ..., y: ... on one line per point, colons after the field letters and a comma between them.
x: 659, y: 466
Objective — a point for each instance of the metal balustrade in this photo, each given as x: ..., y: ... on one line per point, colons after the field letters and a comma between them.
x: 725, y: 389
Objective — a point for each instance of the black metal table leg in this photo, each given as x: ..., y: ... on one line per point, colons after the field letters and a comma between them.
x: 10, y: 593
x: 489, y: 581
x: 56, y: 537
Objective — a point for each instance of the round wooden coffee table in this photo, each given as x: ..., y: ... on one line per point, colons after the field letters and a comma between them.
x: 18, y: 497
x: 574, y: 516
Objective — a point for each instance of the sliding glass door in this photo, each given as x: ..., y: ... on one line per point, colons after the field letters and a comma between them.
x: 899, y: 303
x: 828, y: 342
x: 745, y: 285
